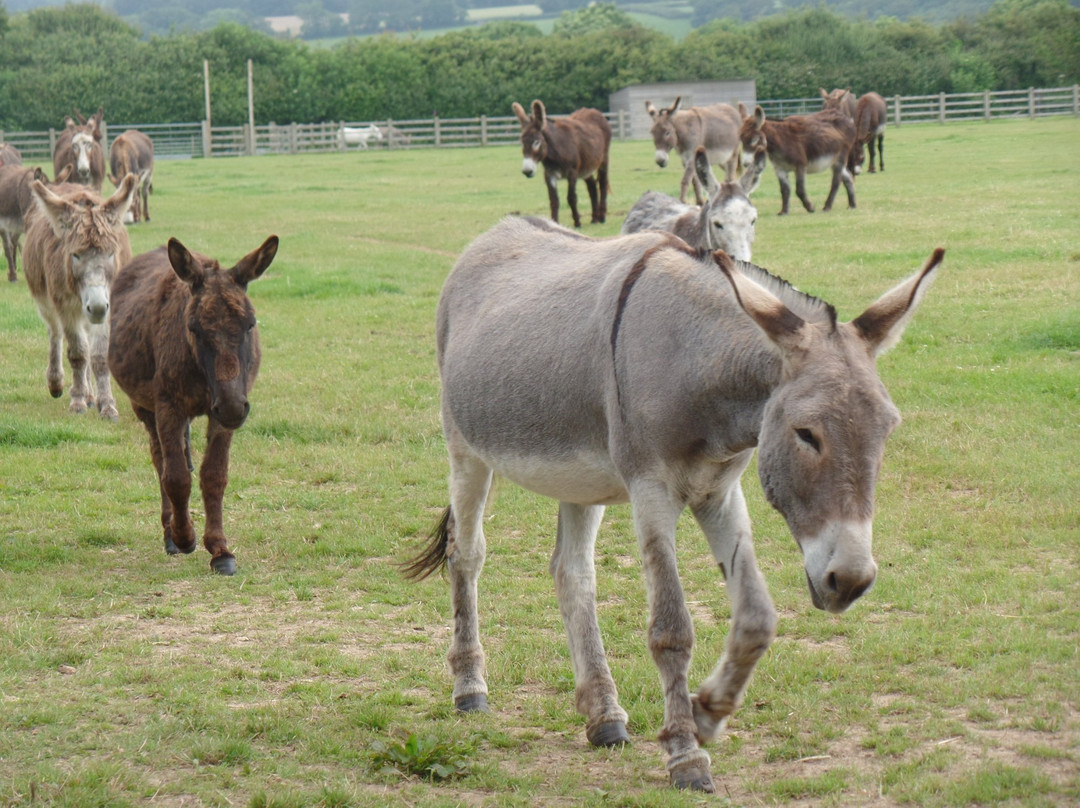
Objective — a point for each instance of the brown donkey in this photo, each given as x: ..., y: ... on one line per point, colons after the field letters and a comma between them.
x: 184, y: 344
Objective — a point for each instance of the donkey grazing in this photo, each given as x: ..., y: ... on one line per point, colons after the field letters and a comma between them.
x: 804, y: 144
x: 133, y: 153
x: 184, y: 344
x: 870, y: 115
x: 571, y: 147
x: 716, y: 127
x: 841, y: 99
x: 15, y: 201
x: 75, y: 243
x: 726, y: 220
x: 597, y: 371
x: 80, y: 145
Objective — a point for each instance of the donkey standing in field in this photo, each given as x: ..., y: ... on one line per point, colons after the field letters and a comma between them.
x: 804, y: 144
x: 75, y: 243
x: 870, y: 115
x: 9, y: 155
x: 597, y: 371
x: 133, y: 153
x: 15, y: 201
x: 575, y: 146
x: 841, y: 99
x: 726, y: 220
x: 716, y: 127
x: 80, y: 145
x: 184, y: 344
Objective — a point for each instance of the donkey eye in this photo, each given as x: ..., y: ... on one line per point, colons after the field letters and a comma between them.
x: 808, y: 437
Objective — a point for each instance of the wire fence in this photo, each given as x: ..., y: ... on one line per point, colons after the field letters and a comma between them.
x: 200, y: 139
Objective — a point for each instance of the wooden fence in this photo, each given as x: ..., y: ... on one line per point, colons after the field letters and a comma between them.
x: 183, y: 140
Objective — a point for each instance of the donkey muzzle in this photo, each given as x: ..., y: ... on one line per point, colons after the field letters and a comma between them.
x: 528, y: 167
x: 95, y: 300
x: 230, y: 412
x: 839, y: 566
x: 661, y: 158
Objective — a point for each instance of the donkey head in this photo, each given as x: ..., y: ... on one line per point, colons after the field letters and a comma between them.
x: 91, y: 238
x: 221, y: 325
x: 728, y: 217
x: 533, y: 138
x: 752, y: 134
x: 824, y: 428
x: 663, y: 130
x: 839, y: 99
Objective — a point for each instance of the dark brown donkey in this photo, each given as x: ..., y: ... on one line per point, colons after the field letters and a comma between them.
x: 804, y: 144
x: 184, y: 344
x: 133, y: 153
x: 870, y: 115
x: 571, y: 147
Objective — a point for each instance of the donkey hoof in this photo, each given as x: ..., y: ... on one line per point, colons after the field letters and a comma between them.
x: 472, y: 703
x: 223, y: 565
x: 693, y: 777
x: 610, y: 733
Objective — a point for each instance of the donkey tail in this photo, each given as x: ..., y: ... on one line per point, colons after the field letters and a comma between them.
x: 433, y: 557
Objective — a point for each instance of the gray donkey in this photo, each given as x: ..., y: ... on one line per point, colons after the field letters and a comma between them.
x: 724, y: 222
x: 598, y: 371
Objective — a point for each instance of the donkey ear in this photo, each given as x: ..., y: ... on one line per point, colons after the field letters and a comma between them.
x: 254, y: 264
x: 117, y: 205
x: 744, y: 113
x: 519, y: 110
x: 704, y: 172
x: 63, y: 174
x: 539, y: 113
x: 884, y: 322
x: 780, y: 324
x: 649, y: 108
x: 759, y: 117
x: 186, y: 266
x: 674, y: 105
x: 824, y: 95
x: 58, y: 210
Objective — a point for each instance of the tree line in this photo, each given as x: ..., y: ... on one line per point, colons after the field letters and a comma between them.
x: 55, y: 59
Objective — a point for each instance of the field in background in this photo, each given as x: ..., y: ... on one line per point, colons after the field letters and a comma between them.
x: 316, y: 676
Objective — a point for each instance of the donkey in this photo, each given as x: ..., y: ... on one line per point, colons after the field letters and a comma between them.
x: 870, y: 115
x: 358, y: 136
x: 597, y: 371
x: 133, y: 153
x: 15, y: 201
x: 75, y: 243
x: 716, y: 127
x: 726, y: 220
x: 80, y: 145
x: 571, y: 147
x: 184, y: 344
x: 841, y: 99
x: 9, y: 155
x: 804, y: 144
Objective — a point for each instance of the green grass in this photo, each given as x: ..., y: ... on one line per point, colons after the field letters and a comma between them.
x: 317, y: 676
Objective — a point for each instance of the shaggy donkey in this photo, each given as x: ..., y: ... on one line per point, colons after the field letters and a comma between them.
x: 133, y: 153
x: 80, y: 145
x: 15, y: 201
x: 75, y: 243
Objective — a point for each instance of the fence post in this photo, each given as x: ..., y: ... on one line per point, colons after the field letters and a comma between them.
x: 294, y: 138
x: 986, y: 104
x: 1031, y: 102
x: 52, y: 140
x: 1076, y: 99
x: 941, y: 108
x: 483, y: 130
x: 207, y: 144
x: 438, y: 133
x: 896, y: 110
x: 622, y: 124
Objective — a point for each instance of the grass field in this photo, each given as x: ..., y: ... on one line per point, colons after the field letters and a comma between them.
x: 317, y: 677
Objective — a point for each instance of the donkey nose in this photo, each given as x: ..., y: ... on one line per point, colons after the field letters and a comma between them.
x: 232, y: 414
x: 96, y: 311
x: 847, y: 585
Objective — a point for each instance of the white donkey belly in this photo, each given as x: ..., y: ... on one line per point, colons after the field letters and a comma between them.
x: 584, y: 479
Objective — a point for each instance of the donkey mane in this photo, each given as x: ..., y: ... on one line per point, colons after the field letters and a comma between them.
x: 810, y: 308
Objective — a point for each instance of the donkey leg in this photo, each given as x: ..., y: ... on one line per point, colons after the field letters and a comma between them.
x: 785, y: 189
x: 78, y: 349
x: 670, y: 633
x: 148, y: 420
x: 726, y: 524
x: 213, y: 477
x: 10, y: 247
x: 553, y: 195
x: 470, y: 479
x: 54, y: 374
x: 571, y: 198
x: 574, y: 572
x: 800, y: 190
x: 602, y: 182
x: 99, y: 365
x: 880, y: 153
x: 175, y: 476
x: 594, y: 200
